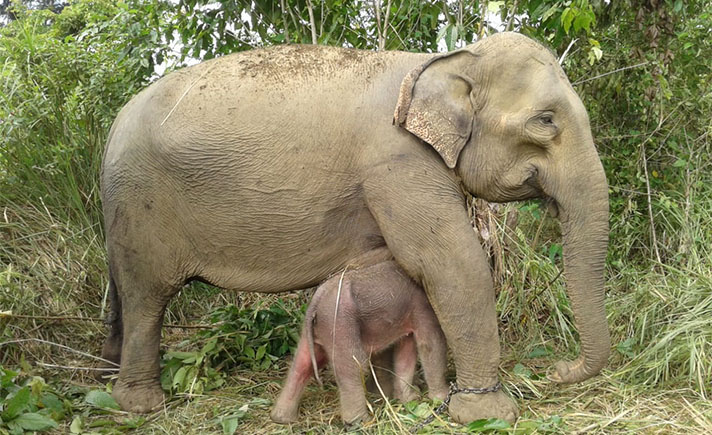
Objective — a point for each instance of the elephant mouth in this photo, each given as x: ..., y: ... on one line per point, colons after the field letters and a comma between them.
x: 532, y: 187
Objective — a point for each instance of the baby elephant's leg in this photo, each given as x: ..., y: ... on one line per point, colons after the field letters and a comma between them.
x: 432, y: 349
x: 404, y: 361
x: 350, y: 364
x: 286, y: 409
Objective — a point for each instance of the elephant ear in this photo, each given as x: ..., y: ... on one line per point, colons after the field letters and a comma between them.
x: 435, y: 103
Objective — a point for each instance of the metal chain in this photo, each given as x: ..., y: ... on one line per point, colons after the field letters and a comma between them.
x: 454, y: 390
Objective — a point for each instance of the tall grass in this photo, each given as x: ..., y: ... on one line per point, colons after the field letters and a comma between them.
x: 62, y: 79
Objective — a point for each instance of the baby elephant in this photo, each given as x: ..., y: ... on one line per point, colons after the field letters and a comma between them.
x: 376, y: 307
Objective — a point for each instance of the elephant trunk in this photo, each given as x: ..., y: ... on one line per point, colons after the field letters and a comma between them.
x: 582, y: 199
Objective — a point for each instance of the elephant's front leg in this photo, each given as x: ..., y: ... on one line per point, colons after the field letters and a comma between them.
x: 425, y: 224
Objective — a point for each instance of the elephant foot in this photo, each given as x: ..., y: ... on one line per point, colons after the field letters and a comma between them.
x: 466, y: 408
x: 438, y: 393
x: 354, y: 417
x: 283, y: 415
x: 569, y: 372
x: 138, y: 398
x: 407, y: 395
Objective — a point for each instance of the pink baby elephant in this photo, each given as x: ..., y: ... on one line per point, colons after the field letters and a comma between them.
x: 354, y: 316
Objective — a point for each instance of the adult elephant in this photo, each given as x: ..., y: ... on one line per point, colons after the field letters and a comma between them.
x: 272, y: 169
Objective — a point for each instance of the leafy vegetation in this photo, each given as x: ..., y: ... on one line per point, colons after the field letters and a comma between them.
x: 642, y: 68
x: 254, y: 339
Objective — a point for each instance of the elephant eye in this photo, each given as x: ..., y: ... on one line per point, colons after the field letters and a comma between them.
x: 540, y: 128
x: 546, y: 118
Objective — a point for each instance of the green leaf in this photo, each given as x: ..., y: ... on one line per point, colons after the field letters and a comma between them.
x: 567, y: 17
x: 487, y: 425
x: 261, y: 352
x: 625, y: 347
x: 34, y: 421
x: 229, y: 423
x: 6, y: 377
x: 555, y: 250
x: 181, y: 355
x: 179, y: 377
x: 51, y: 401
x: 421, y: 410
x: 101, y: 399
x: 539, y: 351
x: 16, y: 404
x: 582, y: 21
x: 549, y: 12
x: 522, y: 371
x: 594, y: 54
x: 76, y: 426
x: 494, y: 7
x: 680, y: 163
x: 678, y: 6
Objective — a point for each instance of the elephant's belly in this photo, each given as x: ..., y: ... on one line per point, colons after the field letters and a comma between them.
x: 274, y: 255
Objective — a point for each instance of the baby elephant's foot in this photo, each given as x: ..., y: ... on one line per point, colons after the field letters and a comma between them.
x: 283, y: 415
x: 138, y: 398
x: 354, y: 416
x: 408, y: 394
x: 438, y: 393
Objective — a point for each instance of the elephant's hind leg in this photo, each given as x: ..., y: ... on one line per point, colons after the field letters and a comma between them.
x: 143, y: 303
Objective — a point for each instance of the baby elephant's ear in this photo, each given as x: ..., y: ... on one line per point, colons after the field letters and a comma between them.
x: 435, y: 103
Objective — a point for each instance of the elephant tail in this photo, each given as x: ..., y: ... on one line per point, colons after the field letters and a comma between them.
x: 114, y: 314
x: 112, y: 345
x: 309, y: 331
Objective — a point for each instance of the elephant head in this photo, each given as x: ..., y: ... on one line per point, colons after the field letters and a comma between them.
x: 502, y: 114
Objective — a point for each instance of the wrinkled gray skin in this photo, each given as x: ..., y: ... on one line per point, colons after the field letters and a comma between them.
x: 360, y: 314
x: 272, y: 169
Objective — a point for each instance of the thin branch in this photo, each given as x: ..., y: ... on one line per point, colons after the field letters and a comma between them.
x: 445, y: 12
x: 294, y: 20
x: 460, y: 13
x: 482, y: 29
x: 377, y: 12
x: 650, y: 203
x: 647, y: 182
x: 385, y: 27
x: 511, y: 16
x: 563, y: 56
x: 37, y: 340
x: 312, y: 22
x: 172, y: 325
x: 93, y: 319
x: 323, y: 19
x: 95, y: 369
x: 286, y: 25
x: 609, y: 73
x: 395, y: 32
x: 24, y: 316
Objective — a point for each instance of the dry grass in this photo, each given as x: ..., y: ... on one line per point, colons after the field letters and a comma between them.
x: 602, y: 405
